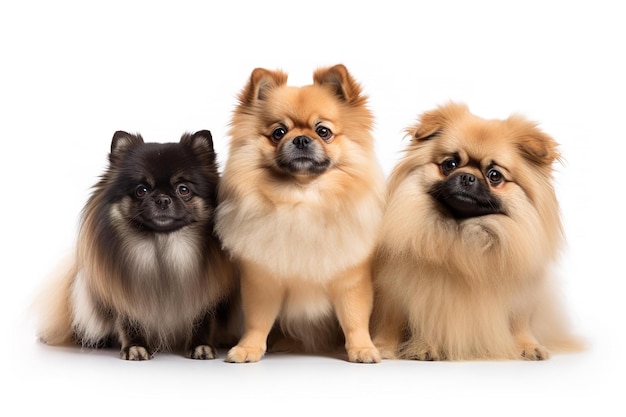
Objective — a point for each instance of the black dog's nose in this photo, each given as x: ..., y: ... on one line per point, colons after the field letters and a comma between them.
x: 301, y: 142
x: 163, y: 201
x: 467, y: 180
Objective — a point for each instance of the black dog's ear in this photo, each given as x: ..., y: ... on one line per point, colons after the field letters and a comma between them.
x: 202, y: 140
x: 201, y: 143
x: 121, y: 142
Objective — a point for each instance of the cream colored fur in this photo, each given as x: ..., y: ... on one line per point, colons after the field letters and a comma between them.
x: 480, y: 287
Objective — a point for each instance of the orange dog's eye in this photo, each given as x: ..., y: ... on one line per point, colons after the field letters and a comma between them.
x: 324, y: 133
x: 278, y: 133
x: 495, y: 177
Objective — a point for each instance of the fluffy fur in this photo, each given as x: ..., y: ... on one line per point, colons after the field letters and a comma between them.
x: 148, y: 272
x: 299, y: 208
x: 471, y: 228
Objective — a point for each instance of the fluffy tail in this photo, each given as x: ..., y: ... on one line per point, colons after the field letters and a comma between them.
x: 553, y: 328
x: 52, y: 306
x: 561, y: 339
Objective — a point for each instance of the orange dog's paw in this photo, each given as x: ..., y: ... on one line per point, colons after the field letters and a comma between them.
x: 364, y: 355
x: 419, y: 351
x: 387, y: 349
x: 534, y: 352
x: 387, y: 352
x: 241, y: 354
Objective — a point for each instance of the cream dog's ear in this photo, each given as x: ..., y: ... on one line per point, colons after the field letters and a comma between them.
x: 432, y: 122
x: 536, y: 146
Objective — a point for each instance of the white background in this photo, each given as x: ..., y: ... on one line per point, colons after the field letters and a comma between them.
x: 74, y: 72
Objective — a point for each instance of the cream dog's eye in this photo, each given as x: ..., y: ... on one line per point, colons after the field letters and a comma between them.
x: 495, y: 177
x: 278, y: 133
x: 448, y: 166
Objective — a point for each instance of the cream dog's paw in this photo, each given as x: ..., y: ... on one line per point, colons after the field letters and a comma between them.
x: 534, y: 352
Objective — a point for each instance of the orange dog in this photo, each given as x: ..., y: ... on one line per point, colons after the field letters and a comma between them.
x: 300, y: 203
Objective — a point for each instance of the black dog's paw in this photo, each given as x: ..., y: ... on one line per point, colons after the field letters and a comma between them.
x: 135, y: 353
x: 201, y: 352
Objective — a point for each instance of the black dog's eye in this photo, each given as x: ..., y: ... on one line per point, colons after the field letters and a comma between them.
x: 449, y: 165
x: 183, y: 190
x: 141, y: 191
x: 324, y: 133
x: 495, y: 177
x: 278, y: 133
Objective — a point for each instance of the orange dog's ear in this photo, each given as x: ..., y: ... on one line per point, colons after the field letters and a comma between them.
x: 432, y: 122
x: 536, y: 146
x: 260, y: 83
x: 339, y: 80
